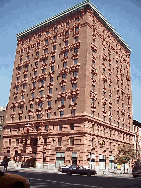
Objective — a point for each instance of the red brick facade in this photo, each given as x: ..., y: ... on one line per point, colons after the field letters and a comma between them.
x: 72, y: 84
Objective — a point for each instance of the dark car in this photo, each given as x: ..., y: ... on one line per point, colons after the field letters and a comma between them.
x: 65, y: 170
x: 80, y: 170
x: 136, y: 172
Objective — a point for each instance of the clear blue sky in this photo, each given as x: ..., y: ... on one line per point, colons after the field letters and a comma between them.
x: 16, y: 16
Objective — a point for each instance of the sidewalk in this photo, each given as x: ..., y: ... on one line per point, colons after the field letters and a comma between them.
x: 31, y: 169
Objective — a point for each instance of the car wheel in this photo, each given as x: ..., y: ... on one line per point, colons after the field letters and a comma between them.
x: 69, y: 173
x: 18, y: 185
x: 88, y: 174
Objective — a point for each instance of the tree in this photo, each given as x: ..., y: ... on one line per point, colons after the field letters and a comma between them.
x: 125, y: 153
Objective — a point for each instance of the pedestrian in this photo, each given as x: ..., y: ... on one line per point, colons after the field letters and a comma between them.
x: 5, y: 164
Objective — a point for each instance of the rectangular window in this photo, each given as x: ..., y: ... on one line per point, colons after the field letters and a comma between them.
x: 59, y: 141
x: 60, y: 127
x: 17, y: 87
x: 51, y: 79
x: 42, y: 82
x: 22, y: 97
x: 45, y: 141
x: 45, y: 51
x: 49, y: 103
x: 32, y: 95
x: 72, y: 126
x: 71, y: 141
x: 63, y: 88
x: 37, y: 53
x: 76, y: 39
x: 44, y: 60
x: 54, y: 47
x: 46, y: 41
x: 64, y: 76
x: 21, y: 60
x: 64, y: 64
x: 75, y: 61
x: 25, y: 76
x: 55, y: 38
x: 53, y: 58
x: 77, y: 29
x: 23, y: 86
x: 73, y: 112
x: 50, y: 91
x: 61, y: 113
x: 36, y: 63
x: 26, y: 67
x: 65, y: 54
x: 52, y: 68
x: 35, y: 73
x: 40, y: 104
x: 66, y: 43
x: 74, y: 85
x: 75, y: 50
x: 18, y: 78
x: 75, y: 73
x: 73, y: 100
x: 27, y: 57
x: 62, y: 101
x: 38, y: 116
x: 41, y: 93
x: 48, y: 115
x: 31, y: 106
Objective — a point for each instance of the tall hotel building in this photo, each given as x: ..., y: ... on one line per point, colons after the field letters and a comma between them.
x: 70, y: 99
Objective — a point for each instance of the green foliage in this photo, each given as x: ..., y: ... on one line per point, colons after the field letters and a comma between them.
x: 125, y: 153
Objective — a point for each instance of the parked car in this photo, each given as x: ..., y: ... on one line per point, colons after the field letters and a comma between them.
x: 65, y: 170
x: 75, y: 169
x: 63, y: 166
x: 136, y: 171
x: 13, y: 181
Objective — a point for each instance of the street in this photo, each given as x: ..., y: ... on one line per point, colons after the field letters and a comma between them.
x: 55, y: 180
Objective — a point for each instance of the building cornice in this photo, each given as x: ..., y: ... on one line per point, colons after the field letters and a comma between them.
x: 72, y: 10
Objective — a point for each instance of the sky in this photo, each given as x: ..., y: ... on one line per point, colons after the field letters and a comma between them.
x: 16, y: 16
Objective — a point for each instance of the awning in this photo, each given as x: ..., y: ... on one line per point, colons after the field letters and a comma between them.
x: 5, y: 154
x: 28, y: 155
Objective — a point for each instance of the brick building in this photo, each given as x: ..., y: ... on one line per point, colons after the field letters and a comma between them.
x: 70, y: 99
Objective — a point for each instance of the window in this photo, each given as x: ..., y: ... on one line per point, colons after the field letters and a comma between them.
x: 49, y: 103
x: 35, y: 73
x: 65, y: 54
x: 77, y: 19
x: 23, y: 86
x: 71, y: 141
x: 74, y: 85
x: 73, y: 99
x: 22, y: 97
x: 34, y: 84
x: 36, y: 63
x: 45, y: 141
x: 67, y: 24
x: 62, y: 101
x: 63, y: 88
x: 18, y: 78
x: 61, y: 113
x: 75, y: 50
x: 19, y: 68
x: 20, y: 118
x: 31, y: 106
x: 37, y: 53
x: 17, y: 87
x: 41, y: 93
x: 72, y: 126
x: 32, y: 95
x: 46, y: 127
x: 21, y: 107
x: 67, y: 32
x: 47, y: 32
x: 64, y: 64
x: 55, y: 38
x: 21, y: 60
x: 45, y: 51
x: 27, y: 57
x: 51, y: 79
x: 77, y: 29
x: 73, y: 112
x: 44, y: 60
x: 25, y: 76
x: 53, y: 58
x: 59, y: 141
x: 52, y: 68
x: 75, y: 73
x: 55, y: 29
x: 50, y: 91
x: 46, y: 41
x: 38, y: 116
x: 42, y: 82
x: 40, y: 104
x: 76, y: 39
x: 54, y: 47
x: 26, y: 67
x: 75, y: 61
x: 64, y: 76
x: 43, y: 71
x: 48, y: 115
x: 66, y: 43
x: 15, y: 98
x: 60, y: 127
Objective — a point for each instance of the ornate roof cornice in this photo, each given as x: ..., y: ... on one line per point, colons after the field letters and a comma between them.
x: 72, y: 10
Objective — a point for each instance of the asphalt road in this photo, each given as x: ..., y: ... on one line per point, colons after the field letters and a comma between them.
x: 46, y: 180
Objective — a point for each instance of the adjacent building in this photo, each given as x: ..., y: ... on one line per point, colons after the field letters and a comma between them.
x: 70, y: 99
x: 2, y: 121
